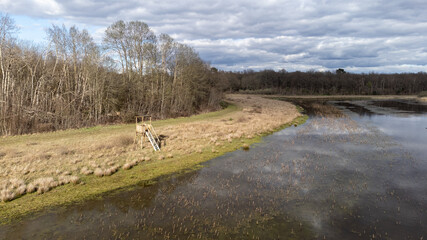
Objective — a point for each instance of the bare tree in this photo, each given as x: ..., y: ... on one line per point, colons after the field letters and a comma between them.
x: 7, y: 29
x: 73, y: 82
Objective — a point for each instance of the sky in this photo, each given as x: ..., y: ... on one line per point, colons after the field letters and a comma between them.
x: 384, y: 36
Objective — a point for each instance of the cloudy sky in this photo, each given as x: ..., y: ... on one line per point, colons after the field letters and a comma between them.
x: 359, y: 36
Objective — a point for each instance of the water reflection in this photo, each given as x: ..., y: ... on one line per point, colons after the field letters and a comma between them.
x: 334, y: 177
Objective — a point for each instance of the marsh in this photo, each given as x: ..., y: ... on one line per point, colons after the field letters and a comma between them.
x: 351, y: 175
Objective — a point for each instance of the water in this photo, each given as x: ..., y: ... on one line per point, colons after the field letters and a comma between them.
x: 359, y: 176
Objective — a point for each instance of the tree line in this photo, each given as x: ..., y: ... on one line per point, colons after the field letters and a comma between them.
x: 74, y: 82
x: 322, y: 83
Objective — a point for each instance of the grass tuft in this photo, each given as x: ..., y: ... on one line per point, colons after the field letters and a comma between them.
x: 74, y: 180
x: 127, y: 166
x: 86, y: 171
x: 31, y: 188
x: 108, y: 172
x: 98, y: 172
x: 6, y: 195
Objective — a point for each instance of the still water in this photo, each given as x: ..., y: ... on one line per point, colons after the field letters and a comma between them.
x: 357, y: 176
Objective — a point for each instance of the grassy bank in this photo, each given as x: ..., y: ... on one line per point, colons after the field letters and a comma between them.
x: 102, y: 147
x: 75, y: 134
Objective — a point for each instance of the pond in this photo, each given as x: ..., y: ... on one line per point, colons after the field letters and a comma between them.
x: 356, y: 174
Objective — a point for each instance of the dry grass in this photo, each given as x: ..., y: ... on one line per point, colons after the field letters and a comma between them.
x: 98, y: 172
x: 41, y: 162
x: 130, y: 165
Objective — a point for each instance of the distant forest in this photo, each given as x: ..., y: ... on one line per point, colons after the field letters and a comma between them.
x: 321, y: 83
x: 74, y: 82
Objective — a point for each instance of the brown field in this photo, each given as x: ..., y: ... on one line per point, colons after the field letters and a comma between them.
x: 41, y: 162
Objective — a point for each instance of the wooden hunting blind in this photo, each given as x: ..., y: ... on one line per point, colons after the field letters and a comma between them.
x: 144, y: 130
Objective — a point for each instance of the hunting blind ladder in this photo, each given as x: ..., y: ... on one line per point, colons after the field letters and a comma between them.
x: 145, y: 129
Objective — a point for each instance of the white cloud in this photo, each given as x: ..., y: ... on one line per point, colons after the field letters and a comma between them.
x: 383, y: 36
x: 49, y: 7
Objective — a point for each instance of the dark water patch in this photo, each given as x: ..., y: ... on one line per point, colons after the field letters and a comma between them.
x: 401, y: 105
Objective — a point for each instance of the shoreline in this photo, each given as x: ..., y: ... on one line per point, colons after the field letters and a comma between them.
x: 349, y: 97
x: 148, y: 171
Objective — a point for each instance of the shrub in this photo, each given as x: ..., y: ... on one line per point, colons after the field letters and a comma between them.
x: 223, y: 104
x: 127, y: 116
x: 123, y: 140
